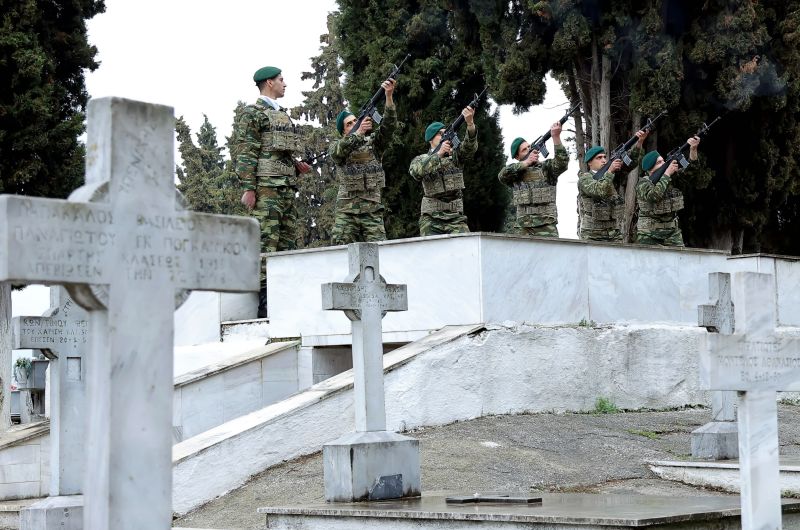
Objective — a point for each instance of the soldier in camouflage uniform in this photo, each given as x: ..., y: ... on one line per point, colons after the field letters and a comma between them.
x: 534, y: 185
x: 602, y: 210
x: 265, y: 141
x: 442, y: 209
x: 359, y: 212
x: 660, y: 203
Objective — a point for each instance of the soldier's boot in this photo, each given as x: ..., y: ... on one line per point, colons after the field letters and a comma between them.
x: 262, y: 302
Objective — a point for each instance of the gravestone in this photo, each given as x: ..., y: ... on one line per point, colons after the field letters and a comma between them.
x: 5, y: 355
x: 370, y: 463
x: 756, y: 362
x: 126, y: 250
x: 717, y: 439
x: 62, y: 333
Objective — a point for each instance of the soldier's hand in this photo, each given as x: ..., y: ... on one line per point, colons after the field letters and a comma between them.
x: 469, y: 116
x: 249, y: 199
x: 616, y: 165
x: 388, y: 88
x: 555, y: 132
x: 641, y: 135
x: 365, y: 127
x: 672, y: 168
x: 445, y: 149
x: 693, y: 142
x: 532, y: 159
x: 302, y: 167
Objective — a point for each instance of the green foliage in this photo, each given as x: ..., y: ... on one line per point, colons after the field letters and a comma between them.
x: 604, y: 406
x: 441, y: 77
x: 697, y: 60
x: 44, y: 52
x: 587, y: 323
x: 23, y: 365
x: 205, y: 182
x: 647, y: 434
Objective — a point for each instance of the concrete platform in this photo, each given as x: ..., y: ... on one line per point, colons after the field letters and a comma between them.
x: 566, y: 511
x: 724, y: 474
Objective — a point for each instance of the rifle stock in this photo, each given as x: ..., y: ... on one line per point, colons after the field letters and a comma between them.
x: 370, y: 109
x: 679, y: 154
x: 621, y: 152
x: 540, y: 143
x: 451, y: 133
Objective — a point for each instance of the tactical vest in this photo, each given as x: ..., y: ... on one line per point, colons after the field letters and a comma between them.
x: 362, y: 175
x: 278, y: 143
x: 672, y: 203
x: 448, y: 178
x: 534, y: 196
x: 601, y: 214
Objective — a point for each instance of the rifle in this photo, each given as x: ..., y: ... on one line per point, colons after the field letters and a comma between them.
x: 679, y: 154
x: 451, y: 133
x: 371, y: 108
x: 311, y: 159
x: 539, y: 144
x: 621, y: 152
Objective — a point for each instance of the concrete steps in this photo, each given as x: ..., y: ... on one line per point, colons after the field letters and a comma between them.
x: 724, y: 474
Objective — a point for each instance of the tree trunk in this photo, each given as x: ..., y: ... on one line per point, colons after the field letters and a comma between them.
x: 580, y: 135
x: 605, y: 101
x: 595, y: 93
x: 5, y: 356
x: 629, y: 220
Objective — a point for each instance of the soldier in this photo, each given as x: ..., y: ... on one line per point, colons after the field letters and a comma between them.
x: 659, y: 203
x: 601, y: 209
x: 264, y: 141
x: 359, y: 212
x: 442, y: 209
x: 534, y: 185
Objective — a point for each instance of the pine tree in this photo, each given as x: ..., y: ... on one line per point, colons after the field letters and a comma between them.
x: 44, y: 53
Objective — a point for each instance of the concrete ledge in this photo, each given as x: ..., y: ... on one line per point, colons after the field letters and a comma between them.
x: 232, y: 362
x: 563, y: 511
x: 725, y: 474
x: 21, y: 434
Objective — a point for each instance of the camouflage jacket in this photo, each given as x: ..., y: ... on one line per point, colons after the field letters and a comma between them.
x: 604, y: 187
x: 356, y: 155
x: 248, y: 136
x: 549, y: 170
x: 428, y: 166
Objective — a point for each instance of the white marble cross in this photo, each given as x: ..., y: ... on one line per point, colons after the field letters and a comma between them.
x: 124, y: 247
x: 718, y: 316
x: 757, y: 362
x: 62, y: 333
x: 365, y: 297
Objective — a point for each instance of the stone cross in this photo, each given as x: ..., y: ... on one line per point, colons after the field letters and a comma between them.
x: 62, y: 333
x: 365, y: 297
x: 756, y: 362
x: 718, y: 439
x: 371, y: 463
x: 124, y: 247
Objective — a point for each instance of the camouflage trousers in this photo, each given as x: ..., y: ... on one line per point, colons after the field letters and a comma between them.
x: 668, y: 237
x: 275, y: 212
x: 609, y: 234
x: 351, y: 227
x: 436, y: 223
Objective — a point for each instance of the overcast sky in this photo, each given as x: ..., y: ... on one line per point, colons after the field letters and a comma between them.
x: 199, y: 58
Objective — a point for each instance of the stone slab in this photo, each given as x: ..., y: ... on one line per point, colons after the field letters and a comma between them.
x: 716, y: 440
x: 570, y: 510
x: 724, y: 474
x: 53, y: 513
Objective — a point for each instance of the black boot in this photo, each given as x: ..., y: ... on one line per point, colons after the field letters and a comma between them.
x: 262, y: 303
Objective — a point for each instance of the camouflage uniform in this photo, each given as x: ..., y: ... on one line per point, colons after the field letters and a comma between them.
x: 442, y: 209
x: 601, y: 209
x: 534, y: 193
x: 658, y: 212
x: 266, y: 140
x: 359, y: 212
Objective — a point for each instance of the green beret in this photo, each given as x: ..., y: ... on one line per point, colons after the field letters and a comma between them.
x: 340, y: 120
x: 268, y: 72
x: 593, y: 152
x: 515, y: 146
x: 649, y: 160
x: 432, y: 129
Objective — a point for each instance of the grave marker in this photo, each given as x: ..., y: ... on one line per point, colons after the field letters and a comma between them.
x: 756, y: 362
x: 718, y: 439
x: 63, y: 334
x: 372, y: 463
x: 122, y: 243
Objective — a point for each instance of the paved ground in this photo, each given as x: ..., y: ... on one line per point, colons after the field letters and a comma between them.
x: 603, y: 453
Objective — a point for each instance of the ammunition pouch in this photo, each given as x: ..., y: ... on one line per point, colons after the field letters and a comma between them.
x: 443, y: 180
x: 361, y: 180
x: 672, y: 203
x: 601, y: 214
x: 282, y: 134
x: 541, y: 210
x: 430, y: 205
x: 526, y: 193
x: 268, y: 167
